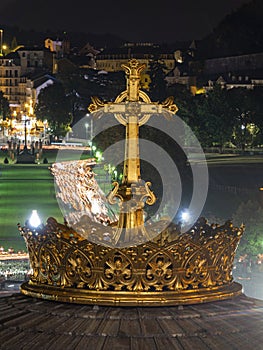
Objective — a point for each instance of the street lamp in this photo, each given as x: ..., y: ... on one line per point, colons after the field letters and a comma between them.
x: 25, y: 121
x: 45, y: 129
x: 4, y: 49
x: 87, y: 126
x: 89, y: 136
x: 91, y: 130
x: 1, y: 42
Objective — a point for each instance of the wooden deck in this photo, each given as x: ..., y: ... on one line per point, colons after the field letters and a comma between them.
x: 28, y: 323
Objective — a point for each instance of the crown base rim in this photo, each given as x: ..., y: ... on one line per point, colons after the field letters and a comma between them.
x: 124, y: 298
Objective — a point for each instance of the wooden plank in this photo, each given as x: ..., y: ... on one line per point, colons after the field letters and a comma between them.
x: 217, y: 325
x: 15, y: 317
x: 49, y: 324
x: 109, y: 328
x: 171, y: 327
x: 143, y: 343
x: 196, y: 343
x: 5, y: 308
x: 19, y: 300
x: 91, y: 312
x: 117, y: 343
x: 208, y: 327
x: 37, y: 341
x: 166, y: 342
x: 220, y: 342
x: 70, y: 326
x: 150, y: 327
x: 154, y: 312
x: 6, y: 334
x: 88, y: 326
x: 90, y: 342
x: 63, y: 342
x: 123, y: 313
x: 130, y: 327
x: 189, y: 326
x: 183, y: 311
x: 26, y: 322
x: 15, y: 342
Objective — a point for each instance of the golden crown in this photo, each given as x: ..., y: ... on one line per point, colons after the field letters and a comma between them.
x: 126, y: 262
x: 193, y: 267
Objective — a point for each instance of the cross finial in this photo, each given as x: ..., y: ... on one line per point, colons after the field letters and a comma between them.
x: 133, y: 73
x: 132, y: 108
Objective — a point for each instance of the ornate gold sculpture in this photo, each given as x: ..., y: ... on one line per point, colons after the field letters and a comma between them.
x: 132, y: 108
x: 170, y: 268
x: 194, y: 267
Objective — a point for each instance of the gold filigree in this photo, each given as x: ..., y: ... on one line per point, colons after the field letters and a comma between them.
x: 172, y: 268
x: 96, y: 106
x: 198, y: 261
x: 149, y: 195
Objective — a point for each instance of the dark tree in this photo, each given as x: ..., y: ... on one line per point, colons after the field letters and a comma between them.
x: 4, y: 107
x: 185, y: 101
x: 157, y: 75
x: 55, y: 106
x: 250, y: 213
x: 242, y: 112
x: 214, y: 120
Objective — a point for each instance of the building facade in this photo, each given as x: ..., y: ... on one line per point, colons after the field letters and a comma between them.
x: 111, y: 60
x: 22, y: 74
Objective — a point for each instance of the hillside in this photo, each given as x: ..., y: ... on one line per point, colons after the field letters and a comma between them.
x: 36, y: 38
x: 239, y: 33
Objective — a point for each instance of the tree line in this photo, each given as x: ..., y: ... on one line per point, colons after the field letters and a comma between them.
x: 219, y: 118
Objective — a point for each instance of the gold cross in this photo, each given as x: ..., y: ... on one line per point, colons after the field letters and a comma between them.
x: 132, y: 108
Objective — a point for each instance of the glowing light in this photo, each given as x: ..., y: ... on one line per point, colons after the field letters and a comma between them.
x: 34, y: 220
x: 98, y: 155
x: 185, y: 216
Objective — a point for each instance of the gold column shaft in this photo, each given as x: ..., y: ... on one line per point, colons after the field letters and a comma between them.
x: 131, y: 171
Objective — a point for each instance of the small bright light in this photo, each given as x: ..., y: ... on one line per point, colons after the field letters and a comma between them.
x: 98, y: 155
x: 34, y: 220
x: 185, y: 216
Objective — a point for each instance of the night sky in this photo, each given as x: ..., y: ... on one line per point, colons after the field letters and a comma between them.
x: 137, y: 20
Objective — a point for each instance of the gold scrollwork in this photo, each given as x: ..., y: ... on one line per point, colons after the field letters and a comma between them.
x: 198, y: 259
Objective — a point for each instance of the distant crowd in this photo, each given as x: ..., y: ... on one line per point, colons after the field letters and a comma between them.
x: 245, y: 266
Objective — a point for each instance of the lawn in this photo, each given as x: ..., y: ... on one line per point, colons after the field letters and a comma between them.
x: 27, y: 187
x: 22, y: 189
